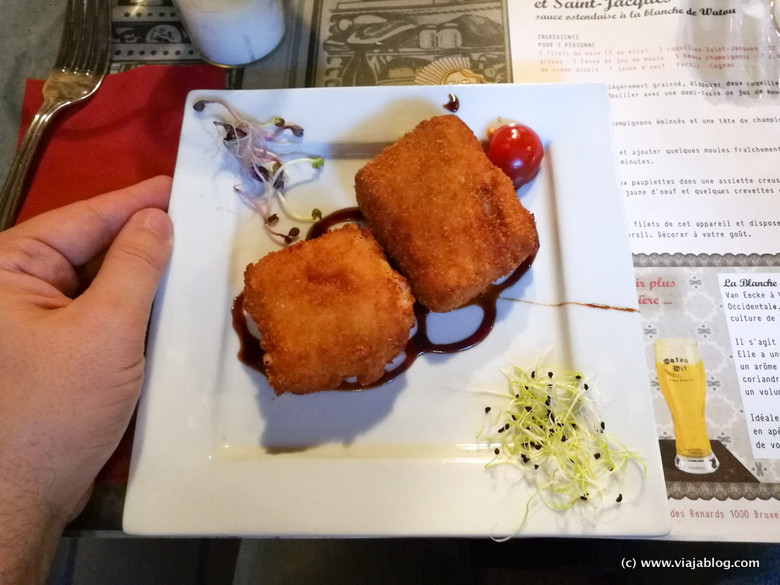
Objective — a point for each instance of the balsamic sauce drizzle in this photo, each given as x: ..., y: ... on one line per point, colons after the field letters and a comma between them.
x: 419, y: 343
x: 453, y: 105
x: 579, y: 304
x: 251, y: 354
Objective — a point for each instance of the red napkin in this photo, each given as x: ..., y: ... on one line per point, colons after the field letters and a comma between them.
x: 128, y: 131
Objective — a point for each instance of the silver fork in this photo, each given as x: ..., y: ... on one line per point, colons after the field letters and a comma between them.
x: 81, y: 64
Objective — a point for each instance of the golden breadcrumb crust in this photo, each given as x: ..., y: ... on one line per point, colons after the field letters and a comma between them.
x: 328, y: 310
x: 445, y: 215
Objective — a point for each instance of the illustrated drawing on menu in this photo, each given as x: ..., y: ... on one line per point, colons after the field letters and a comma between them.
x: 149, y: 31
x: 406, y: 43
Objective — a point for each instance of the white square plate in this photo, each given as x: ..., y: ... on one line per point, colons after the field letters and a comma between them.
x: 216, y: 453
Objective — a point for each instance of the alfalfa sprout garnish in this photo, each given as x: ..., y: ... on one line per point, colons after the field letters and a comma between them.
x: 551, y: 432
x: 250, y: 142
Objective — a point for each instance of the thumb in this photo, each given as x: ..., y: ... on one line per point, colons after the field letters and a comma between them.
x: 132, y: 268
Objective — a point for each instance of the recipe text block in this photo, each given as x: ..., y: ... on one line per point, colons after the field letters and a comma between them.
x: 751, y: 304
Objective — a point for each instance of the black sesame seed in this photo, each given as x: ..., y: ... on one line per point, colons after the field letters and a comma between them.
x: 619, y: 498
x: 585, y: 386
x: 496, y: 451
x: 487, y: 409
x: 533, y: 374
x: 549, y: 374
x: 597, y: 455
x: 199, y: 106
x: 603, y: 426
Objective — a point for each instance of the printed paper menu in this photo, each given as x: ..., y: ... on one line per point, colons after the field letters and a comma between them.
x: 695, y: 97
x: 695, y: 93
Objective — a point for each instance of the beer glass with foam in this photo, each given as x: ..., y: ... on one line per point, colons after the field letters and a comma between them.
x: 680, y: 373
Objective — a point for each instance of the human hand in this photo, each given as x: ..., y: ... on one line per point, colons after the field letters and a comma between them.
x: 72, y: 348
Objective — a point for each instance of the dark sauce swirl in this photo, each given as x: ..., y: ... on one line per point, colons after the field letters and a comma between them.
x: 453, y: 105
x: 251, y: 354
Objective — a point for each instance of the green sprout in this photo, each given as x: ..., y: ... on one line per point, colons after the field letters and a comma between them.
x: 550, y: 431
x: 250, y: 142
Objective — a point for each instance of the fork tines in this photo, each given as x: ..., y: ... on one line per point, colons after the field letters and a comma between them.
x: 86, y: 37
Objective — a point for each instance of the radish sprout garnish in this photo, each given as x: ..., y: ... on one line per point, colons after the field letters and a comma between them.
x: 551, y: 432
x: 250, y: 142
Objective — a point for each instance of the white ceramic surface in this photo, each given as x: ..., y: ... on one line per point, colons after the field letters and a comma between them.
x: 233, y: 33
x: 216, y: 453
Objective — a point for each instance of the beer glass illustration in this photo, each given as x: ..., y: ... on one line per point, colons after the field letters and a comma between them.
x: 681, y: 377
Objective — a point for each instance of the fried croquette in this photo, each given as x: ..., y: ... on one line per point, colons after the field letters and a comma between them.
x: 445, y: 215
x: 328, y: 310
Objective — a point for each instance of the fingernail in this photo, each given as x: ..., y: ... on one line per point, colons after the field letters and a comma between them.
x: 157, y: 221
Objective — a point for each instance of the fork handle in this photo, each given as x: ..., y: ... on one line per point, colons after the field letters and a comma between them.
x: 15, y: 185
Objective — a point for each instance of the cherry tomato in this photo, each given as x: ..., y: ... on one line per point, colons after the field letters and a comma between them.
x: 516, y: 150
